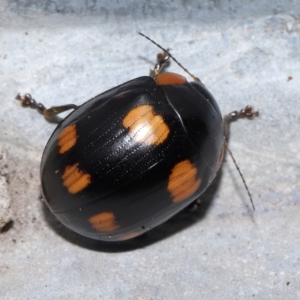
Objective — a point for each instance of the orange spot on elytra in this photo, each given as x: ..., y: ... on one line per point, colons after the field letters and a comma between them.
x: 145, y: 126
x: 129, y: 236
x: 74, y: 179
x: 104, y: 222
x: 183, y: 181
x: 170, y: 79
x: 67, y: 138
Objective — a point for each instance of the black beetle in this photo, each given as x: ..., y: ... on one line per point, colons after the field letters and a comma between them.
x: 132, y: 157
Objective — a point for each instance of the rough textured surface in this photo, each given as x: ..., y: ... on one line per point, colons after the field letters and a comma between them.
x: 5, y: 200
x: 69, y: 51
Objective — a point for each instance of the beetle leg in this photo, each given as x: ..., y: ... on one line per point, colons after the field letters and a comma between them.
x: 162, y: 61
x: 48, y: 113
x: 247, y: 112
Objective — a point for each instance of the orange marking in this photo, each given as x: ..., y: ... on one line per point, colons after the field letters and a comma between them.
x: 104, y: 222
x: 67, y: 138
x: 145, y: 126
x: 74, y: 179
x: 183, y: 181
x: 129, y: 236
x: 170, y: 79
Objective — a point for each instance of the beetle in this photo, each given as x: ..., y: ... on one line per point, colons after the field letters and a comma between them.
x: 132, y: 157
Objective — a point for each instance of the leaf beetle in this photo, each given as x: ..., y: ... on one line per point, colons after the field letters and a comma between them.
x: 132, y: 157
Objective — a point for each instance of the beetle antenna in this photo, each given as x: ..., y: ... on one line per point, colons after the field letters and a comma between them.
x: 240, y: 172
x: 174, y: 59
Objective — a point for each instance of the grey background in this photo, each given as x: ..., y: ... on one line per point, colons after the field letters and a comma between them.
x: 69, y: 51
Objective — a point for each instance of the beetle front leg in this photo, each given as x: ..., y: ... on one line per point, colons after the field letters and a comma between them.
x: 48, y: 113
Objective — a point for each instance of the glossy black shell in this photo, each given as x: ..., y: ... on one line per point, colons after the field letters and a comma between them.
x: 129, y: 179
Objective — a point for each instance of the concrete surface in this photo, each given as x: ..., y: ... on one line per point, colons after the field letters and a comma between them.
x: 70, y: 51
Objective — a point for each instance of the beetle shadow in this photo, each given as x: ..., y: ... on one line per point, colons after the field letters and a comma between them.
x: 190, y: 216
